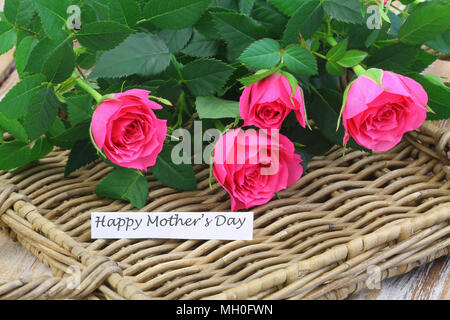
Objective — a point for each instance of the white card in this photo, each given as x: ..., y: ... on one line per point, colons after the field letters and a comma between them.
x: 172, y: 225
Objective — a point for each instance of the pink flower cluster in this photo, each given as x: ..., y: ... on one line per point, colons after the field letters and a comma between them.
x: 266, y: 160
x: 252, y: 165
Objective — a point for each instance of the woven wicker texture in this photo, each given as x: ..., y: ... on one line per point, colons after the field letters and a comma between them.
x: 347, y: 223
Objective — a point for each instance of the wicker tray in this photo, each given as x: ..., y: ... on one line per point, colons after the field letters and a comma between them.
x: 349, y: 222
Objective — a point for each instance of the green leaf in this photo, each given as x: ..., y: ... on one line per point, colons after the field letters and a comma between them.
x: 372, y: 37
x: 103, y: 35
x: 82, y: 153
x: 306, y: 157
x: 53, y: 58
x: 424, y: 24
x: 204, y: 77
x: 246, y: 6
x: 40, y: 53
x: 14, y: 155
x: 344, y: 10
x: 124, y: 184
x: 292, y: 81
x: 262, y: 54
x: 438, y: 96
x: 441, y: 43
x: 67, y: 138
x: 287, y: 7
x: 175, y: 39
x: 261, y: 74
x: 334, y: 69
x: 175, y: 14
x: 395, y: 24
x: 54, y: 16
x: 274, y: 21
x: 42, y: 112
x: 357, y: 36
x: 142, y: 53
x: 22, y: 54
x: 337, y: 52
x: 8, y: 37
x: 324, y: 117
x: 204, y: 27
x: 211, y: 107
x: 179, y: 177
x: 201, y: 47
x: 99, y: 7
x: 305, y: 21
x: 423, y: 61
x: 397, y: 57
x: 19, y: 12
x: 126, y: 12
x: 300, y: 61
x: 352, y: 58
x: 41, y: 148
x: 56, y: 128
x: 17, y: 101
x: 86, y: 60
x: 79, y: 108
x: 238, y: 30
x: 14, y: 127
x: 314, y: 142
x: 60, y: 63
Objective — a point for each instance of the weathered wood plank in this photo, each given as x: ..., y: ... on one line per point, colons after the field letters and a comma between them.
x: 17, y: 263
x: 430, y: 281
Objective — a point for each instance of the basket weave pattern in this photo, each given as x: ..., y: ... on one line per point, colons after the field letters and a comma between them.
x: 346, y: 216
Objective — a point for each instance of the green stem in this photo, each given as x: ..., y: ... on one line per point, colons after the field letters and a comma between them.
x: 387, y: 41
x: 174, y: 61
x: 332, y: 41
x: 329, y: 30
x: 319, y: 55
x: 86, y: 87
x: 181, y: 105
x: 81, y: 73
x: 359, y: 70
x: 60, y: 98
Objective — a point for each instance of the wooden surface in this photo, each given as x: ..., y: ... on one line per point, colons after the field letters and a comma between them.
x: 429, y: 281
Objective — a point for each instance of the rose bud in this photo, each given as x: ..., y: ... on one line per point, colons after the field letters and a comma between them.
x: 128, y: 131
x: 267, y: 103
x: 377, y: 116
x: 253, y: 165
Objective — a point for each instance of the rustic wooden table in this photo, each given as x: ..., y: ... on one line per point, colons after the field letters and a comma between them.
x: 429, y: 281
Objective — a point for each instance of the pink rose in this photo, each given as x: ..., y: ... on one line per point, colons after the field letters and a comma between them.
x: 253, y: 165
x: 377, y: 117
x: 128, y: 131
x: 267, y: 103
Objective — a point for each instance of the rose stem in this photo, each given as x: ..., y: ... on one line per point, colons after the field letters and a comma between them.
x: 359, y: 70
x: 86, y: 87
